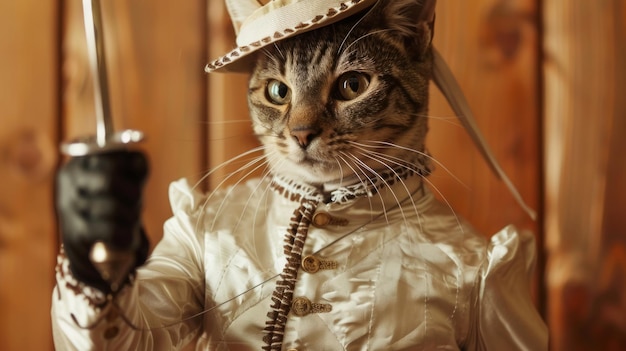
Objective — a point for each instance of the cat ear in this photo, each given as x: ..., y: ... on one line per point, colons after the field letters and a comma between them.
x: 239, y: 10
x: 412, y: 20
x: 427, y: 16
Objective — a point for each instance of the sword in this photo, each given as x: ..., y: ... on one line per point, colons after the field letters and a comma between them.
x: 112, y: 264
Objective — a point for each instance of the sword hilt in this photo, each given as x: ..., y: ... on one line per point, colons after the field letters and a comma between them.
x: 113, y: 264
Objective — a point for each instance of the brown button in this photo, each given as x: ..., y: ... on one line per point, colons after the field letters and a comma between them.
x: 301, y: 306
x: 312, y: 264
x: 321, y: 219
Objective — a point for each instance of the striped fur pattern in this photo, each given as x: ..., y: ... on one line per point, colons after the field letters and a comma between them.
x: 346, y: 101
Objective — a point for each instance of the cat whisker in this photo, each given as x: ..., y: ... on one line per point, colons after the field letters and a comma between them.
x: 340, y: 170
x: 269, y: 132
x: 270, y: 55
x: 453, y: 120
x: 367, y: 35
x: 226, y: 163
x: 210, y: 309
x: 343, y: 42
x: 430, y: 184
x: 229, y: 138
x: 233, y: 121
x: 364, y: 167
x: 279, y: 51
x: 356, y: 174
x: 443, y: 197
x: 266, y: 174
x: 389, y: 145
x: 260, y: 162
x: 382, y: 159
x: 372, y: 123
x: 393, y: 159
x: 391, y: 190
x: 267, y: 135
x: 249, y: 164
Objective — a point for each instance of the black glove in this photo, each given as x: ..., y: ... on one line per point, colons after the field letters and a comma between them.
x: 99, y: 199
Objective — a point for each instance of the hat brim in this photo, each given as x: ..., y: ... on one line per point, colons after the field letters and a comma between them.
x: 278, y: 23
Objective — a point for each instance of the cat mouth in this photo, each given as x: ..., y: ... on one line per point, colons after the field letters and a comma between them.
x: 308, y: 160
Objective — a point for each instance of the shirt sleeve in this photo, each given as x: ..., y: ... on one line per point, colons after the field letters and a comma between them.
x: 506, y: 316
x: 161, y: 302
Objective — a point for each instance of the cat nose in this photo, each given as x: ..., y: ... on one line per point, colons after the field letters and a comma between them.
x: 304, y: 135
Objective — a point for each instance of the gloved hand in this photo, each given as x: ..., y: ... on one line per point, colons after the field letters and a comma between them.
x: 99, y: 198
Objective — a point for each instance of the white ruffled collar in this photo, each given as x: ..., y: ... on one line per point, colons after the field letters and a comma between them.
x: 338, y: 193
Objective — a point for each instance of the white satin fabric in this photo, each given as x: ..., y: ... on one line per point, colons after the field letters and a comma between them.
x: 415, y: 278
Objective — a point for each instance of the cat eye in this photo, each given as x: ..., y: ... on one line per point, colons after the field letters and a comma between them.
x: 352, y: 84
x: 278, y: 92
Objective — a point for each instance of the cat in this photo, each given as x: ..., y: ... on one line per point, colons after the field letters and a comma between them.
x: 339, y: 245
x: 345, y: 100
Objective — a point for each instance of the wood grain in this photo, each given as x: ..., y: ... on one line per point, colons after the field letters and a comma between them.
x: 194, y: 122
x: 229, y: 127
x: 585, y: 45
x: 28, y: 157
x: 492, y: 48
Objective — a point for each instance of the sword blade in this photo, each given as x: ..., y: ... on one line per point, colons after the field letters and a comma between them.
x: 94, y: 31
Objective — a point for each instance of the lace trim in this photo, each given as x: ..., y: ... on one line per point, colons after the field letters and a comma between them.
x: 94, y: 297
x: 282, y: 297
x: 369, y: 187
x: 295, y: 192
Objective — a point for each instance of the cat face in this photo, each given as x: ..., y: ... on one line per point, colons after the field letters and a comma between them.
x: 346, y: 100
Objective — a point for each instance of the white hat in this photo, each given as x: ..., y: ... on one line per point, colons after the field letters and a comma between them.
x: 259, y: 23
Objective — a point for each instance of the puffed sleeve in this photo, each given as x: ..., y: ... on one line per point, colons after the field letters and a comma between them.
x: 167, y: 289
x: 506, y: 318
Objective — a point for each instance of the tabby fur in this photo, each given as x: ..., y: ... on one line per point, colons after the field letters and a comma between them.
x: 382, y: 59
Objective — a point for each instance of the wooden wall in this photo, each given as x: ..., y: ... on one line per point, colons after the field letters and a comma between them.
x: 585, y: 198
x: 29, y: 117
x: 542, y: 77
x: 492, y: 48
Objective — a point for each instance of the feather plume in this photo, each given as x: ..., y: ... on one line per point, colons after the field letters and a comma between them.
x: 445, y: 81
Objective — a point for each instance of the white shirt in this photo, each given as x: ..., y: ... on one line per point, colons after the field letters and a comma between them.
x: 400, y: 272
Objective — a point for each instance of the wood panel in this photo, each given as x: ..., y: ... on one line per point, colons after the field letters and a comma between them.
x: 585, y: 45
x: 156, y: 55
x: 492, y: 48
x: 156, y: 52
x: 28, y: 156
x: 229, y: 127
